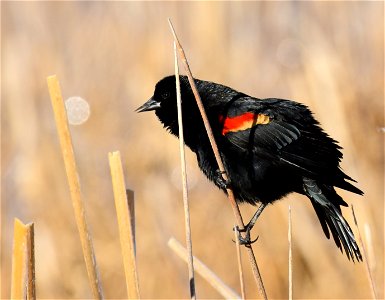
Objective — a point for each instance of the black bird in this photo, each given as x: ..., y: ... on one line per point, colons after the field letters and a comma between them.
x: 270, y: 148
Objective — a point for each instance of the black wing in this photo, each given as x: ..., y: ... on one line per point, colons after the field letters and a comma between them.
x: 291, y: 136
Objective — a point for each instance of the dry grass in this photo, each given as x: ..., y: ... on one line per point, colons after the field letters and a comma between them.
x: 328, y: 55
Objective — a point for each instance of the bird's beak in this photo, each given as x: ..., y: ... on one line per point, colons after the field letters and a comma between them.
x: 149, y: 105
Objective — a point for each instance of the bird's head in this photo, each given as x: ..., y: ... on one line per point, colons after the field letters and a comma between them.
x: 164, y: 95
x: 215, y: 99
x: 163, y: 101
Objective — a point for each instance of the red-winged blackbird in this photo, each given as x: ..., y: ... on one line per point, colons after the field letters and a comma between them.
x: 270, y: 148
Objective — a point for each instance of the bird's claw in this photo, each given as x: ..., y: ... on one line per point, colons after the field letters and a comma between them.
x: 246, y: 240
x: 223, y: 184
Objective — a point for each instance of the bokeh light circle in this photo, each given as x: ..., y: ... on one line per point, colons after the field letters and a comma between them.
x: 78, y: 110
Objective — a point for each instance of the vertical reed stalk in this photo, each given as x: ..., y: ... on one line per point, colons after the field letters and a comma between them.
x: 23, y: 262
x: 289, y: 235
x: 74, y: 185
x: 190, y: 261
x: 240, y: 266
x: 230, y: 193
x: 125, y: 215
x: 365, y: 258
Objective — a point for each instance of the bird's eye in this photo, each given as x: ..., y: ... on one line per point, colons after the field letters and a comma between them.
x: 165, y: 95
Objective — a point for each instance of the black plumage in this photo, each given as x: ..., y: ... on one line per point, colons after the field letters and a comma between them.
x: 269, y: 147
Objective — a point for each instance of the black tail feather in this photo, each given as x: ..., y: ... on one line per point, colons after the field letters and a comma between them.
x: 342, y: 183
x: 349, y: 187
x: 326, y: 203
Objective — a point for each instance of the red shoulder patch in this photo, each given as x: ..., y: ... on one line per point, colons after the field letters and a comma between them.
x: 242, y: 122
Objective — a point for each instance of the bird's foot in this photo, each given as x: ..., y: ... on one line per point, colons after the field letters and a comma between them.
x: 246, y: 239
x: 223, y: 184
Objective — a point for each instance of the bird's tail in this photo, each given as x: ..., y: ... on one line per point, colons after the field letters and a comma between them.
x: 326, y: 203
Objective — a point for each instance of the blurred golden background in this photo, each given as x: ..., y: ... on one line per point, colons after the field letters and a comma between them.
x: 327, y: 55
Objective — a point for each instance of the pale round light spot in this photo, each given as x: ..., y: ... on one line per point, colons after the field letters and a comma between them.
x: 78, y: 110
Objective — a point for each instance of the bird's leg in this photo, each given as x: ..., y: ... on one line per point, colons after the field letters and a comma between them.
x: 247, y: 240
x: 223, y: 184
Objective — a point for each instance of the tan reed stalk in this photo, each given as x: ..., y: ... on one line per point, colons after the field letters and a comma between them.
x: 23, y: 262
x: 365, y: 258
x: 240, y: 266
x: 289, y: 235
x: 190, y: 261
x: 236, y: 211
x: 74, y: 185
x: 126, y: 220
x: 369, y: 246
x: 204, y: 271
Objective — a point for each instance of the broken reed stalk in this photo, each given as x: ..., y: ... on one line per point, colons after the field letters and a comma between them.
x: 240, y: 266
x: 230, y: 193
x: 125, y: 216
x: 365, y: 258
x: 74, y: 185
x: 23, y: 262
x: 204, y: 271
x: 190, y: 261
x: 289, y: 235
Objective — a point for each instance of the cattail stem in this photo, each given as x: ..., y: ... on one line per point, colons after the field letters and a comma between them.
x: 365, y: 258
x: 289, y: 235
x: 23, y: 262
x: 210, y: 134
x: 190, y: 261
x: 74, y: 185
x: 240, y: 266
x: 125, y: 215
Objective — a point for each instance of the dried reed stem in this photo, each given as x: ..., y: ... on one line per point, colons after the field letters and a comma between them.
x: 125, y: 215
x: 240, y: 266
x: 230, y: 193
x: 365, y: 257
x: 289, y: 235
x: 190, y: 261
x: 204, y: 271
x: 23, y: 262
x: 369, y: 246
x: 74, y: 185
x: 131, y: 210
